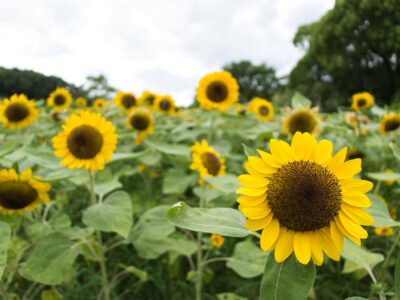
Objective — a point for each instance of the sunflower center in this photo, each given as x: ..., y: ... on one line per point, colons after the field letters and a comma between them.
x: 16, y: 112
x: 84, y: 142
x: 150, y: 99
x: 361, y: 102
x: 217, y: 91
x: 211, y: 163
x: 302, y: 121
x: 263, y: 110
x: 140, y: 122
x: 165, y: 105
x: 59, y: 99
x: 354, y: 153
x: 128, y: 101
x: 392, y: 124
x: 304, y: 196
x: 16, y: 194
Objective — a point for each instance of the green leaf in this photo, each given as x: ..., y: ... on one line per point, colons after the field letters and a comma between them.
x: 289, y: 280
x: 356, y: 298
x: 43, y: 158
x: 7, y: 148
x: 361, y: 256
x: 56, y: 175
x: 172, y: 149
x: 142, y: 275
x: 263, y: 129
x: 397, y: 277
x: 382, y: 176
x: 176, y: 181
x: 51, y: 260
x: 112, y: 215
x: 5, y: 234
x: 298, y: 101
x: 230, y: 296
x: 379, y: 212
x: 103, y: 187
x: 127, y: 156
x: 248, y: 260
x: 377, y: 111
x: 223, y: 221
x: 227, y: 184
x: 248, y: 151
x: 51, y: 294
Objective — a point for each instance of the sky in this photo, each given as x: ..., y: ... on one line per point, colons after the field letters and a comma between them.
x: 161, y: 46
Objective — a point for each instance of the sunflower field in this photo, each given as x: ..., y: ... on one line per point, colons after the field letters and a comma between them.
x: 136, y: 198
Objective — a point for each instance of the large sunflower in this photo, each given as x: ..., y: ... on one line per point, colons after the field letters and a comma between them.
x: 217, y: 90
x: 126, y: 101
x: 263, y: 109
x: 148, y: 98
x: 303, y: 120
x: 206, y: 160
x: 304, y: 200
x: 87, y: 141
x: 165, y: 104
x: 99, y: 103
x: 21, y: 193
x: 362, y: 101
x: 59, y: 99
x: 389, y: 123
x: 142, y: 121
x: 18, y: 112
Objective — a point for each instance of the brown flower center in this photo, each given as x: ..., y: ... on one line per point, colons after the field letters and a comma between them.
x: 16, y: 112
x: 150, y: 99
x: 361, y: 102
x: 302, y: 121
x: 128, y: 101
x: 392, y: 124
x: 59, y: 99
x: 217, y: 91
x: 165, y: 105
x: 85, y: 142
x: 211, y: 163
x: 140, y: 121
x: 16, y: 194
x: 263, y: 110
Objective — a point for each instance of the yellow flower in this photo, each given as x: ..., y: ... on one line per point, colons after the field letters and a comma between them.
x: 384, y: 231
x: 389, y: 123
x: 80, y: 102
x: 217, y: 90
x: 21, y: 193
x: 126, y: 101
x: 239, y: 109
x: 389, y: 182
x: 164, y: 104
x: 148, y: 98
x: 304, y: 200
x: 362, y: 101
x: 87, y: 141
x: 263, y: 109
x: 142, y: 168
x: 99, y: 103
x: 59, y: 99
x: 154, y: 175
x: 206, y: 160
x: 217, y: 240
x: 303, y: 120
x: 142, y: 121
x: 18, y: 112
x: 354, y: 153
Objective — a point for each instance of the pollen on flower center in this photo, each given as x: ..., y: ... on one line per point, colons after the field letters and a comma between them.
x: 59, y: 99
x: 302, y: 121
x: 217, y: 91
x: 140, y: 122
x: 304, y: 196
x: 392, y: 124
x: 263, y: 110
x: 361, y: 102
x: 84, y: 142
x: 16, y: 194
x: 211, y: 163
x: 16, y: 112
x: 165, y: 105
x: 128, y: 101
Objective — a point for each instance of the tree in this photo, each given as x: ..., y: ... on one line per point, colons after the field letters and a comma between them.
x: 354, y: 47
x: 98, y: 87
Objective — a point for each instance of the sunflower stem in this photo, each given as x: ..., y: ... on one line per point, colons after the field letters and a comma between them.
x: 101, y: 257
x: 199, y: 252
x: 211, y: 129
x: 391, y: 250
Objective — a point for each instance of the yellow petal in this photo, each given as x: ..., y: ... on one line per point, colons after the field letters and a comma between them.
x: 352, y: 227
x: 337, y: 236
x: 359, y: 185
x: 284, y: 244
x: 258, y: 224
x: 260, y: 165
x: 267, y: 157
x: 323, y: 152
x: 252, y: 171
x: 269, y: 235
x: 251, y: 191
x: 353, y: 238
x: 316, y: 250
x: 250, y: 200
x: 337, y: 160
x: 348, y: 169
x: 358, y: 214
x: 298, y: 146
x: 256, y: 212
x: 356, y: 199
x: 252, y: 181
x: 302, y: 246
x: 311, y: 144
x: 280, y: 151
x: 327, y: 244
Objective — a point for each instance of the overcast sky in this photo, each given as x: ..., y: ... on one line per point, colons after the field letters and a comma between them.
x: 164, y: 46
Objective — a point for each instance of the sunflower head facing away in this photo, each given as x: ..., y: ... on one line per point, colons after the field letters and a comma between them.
x: 206, y: 160
x: 217, y: 90
x: 148, y: 98
x: 164, y: 104
x: 87, y: 141
x: 99, y: 103
x: 126, y: 101
x: 59, y: 99
x: 262, y: 108
x: 80, y: 102
x: 389, y: 123
x: 142, y: 121
x: 362, y: 101
x: 304, y: 200
x: 303, y: 120
x: 17, y: 112
x: 21, y: 193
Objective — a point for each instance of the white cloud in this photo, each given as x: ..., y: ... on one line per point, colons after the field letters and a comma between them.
x: 163, y: 46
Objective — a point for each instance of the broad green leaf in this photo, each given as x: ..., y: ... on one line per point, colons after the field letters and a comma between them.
x: 262, y: 129
x: 176, y: 181
x: 172, y: 149
x: 382, y: 176
x: 5, y: 234
x: 51, y: 260
x: 51, y: 294
x: 56, y: 175
x: 298, y: 100
x: 396, y: 151
x: 289, y: 280
x: 223, y: 221
x: 43, y: 158
x: 379, y: 212
x: 248, y: 151
x: 7, y: 148
x: 397, y: 277
x: 103, y: 187
x: 227, y: 184
x: 230, y: 296
x: 351, y: 267
x: 248, y: 260
x: 360, y: 256
x: 58, y: 222
x: 377, y: 111
x: 142, y: 275
x: 112, y: 215
x: 127, y: 156
x: 356, y: 298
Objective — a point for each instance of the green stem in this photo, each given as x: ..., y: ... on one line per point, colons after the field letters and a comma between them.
x: 199, y: 252
x: 391, y: 250
x: 211, y: 129
x: 101, y: 257
x: 3, y: 292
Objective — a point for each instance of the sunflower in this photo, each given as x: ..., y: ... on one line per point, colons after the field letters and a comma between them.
x: 389, y: 123
x: 22, y: 193
x: 263, y: 109
x: 142, y: 121
x: 239, y: 109
x: 384, y: 231
x: 148, y: 98
x: 354, y: 153
x: 217, y: 90
x: 217, y: 240
x: 165, y: 104
x: 126, y: 101
x: 59, y: 99
x: 18, y: 112
x: 80, y: 102
x: 206, y: 160
x: 99, y: 103
x: 252, y: 103
x: 87, y: 141
x: 304, y: 200
x: 303, y: 120
x: 362, y: 101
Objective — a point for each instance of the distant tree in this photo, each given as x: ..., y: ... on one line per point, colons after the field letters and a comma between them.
x: 254, y: 80
x: 98, y: 87
x: 354, y: 47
